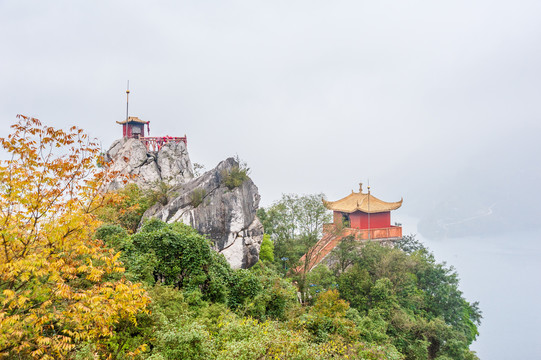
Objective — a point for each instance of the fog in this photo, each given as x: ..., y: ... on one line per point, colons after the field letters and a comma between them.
x: 435, y: 102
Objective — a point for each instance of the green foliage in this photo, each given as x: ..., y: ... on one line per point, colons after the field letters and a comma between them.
x: 410, y: 300
x: 182, y: 255
x: 319, y: 280
x: 267, y: 249
x: 387, y: 304
x: 114, y: 236
x: 197, y: 196
x: 345, y: 254
x: 244, y: 285
x: 276, y: 297
x: 159, y: 192
x: 376, y: 302
x: 125, y: 207
x: 235, y: 176
x: 409, y: 244
x: 295, y: 223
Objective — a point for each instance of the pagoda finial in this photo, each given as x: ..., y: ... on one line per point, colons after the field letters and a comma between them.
x: 127, y: 98
x: 360, y: 187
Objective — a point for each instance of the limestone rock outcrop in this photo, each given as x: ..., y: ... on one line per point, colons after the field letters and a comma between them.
x: 171, y: 164
x: 227, y: 216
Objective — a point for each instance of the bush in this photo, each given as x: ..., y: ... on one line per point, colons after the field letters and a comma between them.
x: 114, y: 236
x: 197, y: 197
x: 160, y: 192
x: 182, y: 256
x: 236, y: 176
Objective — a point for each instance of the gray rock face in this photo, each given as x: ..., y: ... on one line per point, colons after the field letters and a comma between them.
x: 226, y: 216
x: 171, y: 164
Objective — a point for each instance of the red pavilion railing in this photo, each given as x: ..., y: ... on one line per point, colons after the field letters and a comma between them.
x: 154, y: 143
x: 391, y: 232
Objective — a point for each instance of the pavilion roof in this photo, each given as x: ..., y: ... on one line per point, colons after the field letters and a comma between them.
x: 133, y: 119
x: 364, y: 202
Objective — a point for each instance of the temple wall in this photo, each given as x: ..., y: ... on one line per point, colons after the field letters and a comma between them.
x: 359, y: 220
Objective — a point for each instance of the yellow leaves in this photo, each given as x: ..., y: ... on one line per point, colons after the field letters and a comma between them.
x: 8, y: 295
x: 95, y: 274
x: 329, y: 304
x: 53, y: 287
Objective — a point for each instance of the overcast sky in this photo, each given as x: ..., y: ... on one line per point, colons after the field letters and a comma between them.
x: 315, y: 95
x: 434, y: 101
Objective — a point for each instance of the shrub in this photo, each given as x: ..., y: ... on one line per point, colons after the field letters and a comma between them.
x: 160, y: 192
x: 114, y: 236
x: 236, y: 176
x: 197, y: 197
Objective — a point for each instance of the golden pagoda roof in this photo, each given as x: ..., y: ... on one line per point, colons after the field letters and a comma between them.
x: 133, y: 119
x: 364, y: 202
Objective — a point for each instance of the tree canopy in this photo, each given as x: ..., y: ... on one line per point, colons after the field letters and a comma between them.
x: 58, y: 285
x: 81, y: 277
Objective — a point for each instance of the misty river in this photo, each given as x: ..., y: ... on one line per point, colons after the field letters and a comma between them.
x: 503, y: 273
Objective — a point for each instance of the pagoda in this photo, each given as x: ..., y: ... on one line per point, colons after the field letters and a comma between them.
x: 359, y: 215
x: 133, y: 127
x: 365, y: 212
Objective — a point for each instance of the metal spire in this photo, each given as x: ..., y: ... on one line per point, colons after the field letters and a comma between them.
x: 127, y: 99
x: 369, y: 235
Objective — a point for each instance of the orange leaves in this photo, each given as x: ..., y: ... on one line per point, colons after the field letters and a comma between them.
x: 56, y: 288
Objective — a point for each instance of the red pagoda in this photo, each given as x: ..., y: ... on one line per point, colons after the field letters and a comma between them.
x: 360, y: 215
x: 133, y: 127
x: 364, y: 212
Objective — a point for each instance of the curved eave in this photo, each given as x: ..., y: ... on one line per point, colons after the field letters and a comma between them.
x: 138, y: 121
x: 349, y: 204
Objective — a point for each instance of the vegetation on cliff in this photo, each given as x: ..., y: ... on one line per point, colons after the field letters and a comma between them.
x: 80, y: 280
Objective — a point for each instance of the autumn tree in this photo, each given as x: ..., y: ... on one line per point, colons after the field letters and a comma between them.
x: 59, y: 287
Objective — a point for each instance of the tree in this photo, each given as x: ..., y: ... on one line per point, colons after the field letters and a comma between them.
x: 295, y: 223
x: 59, y: 287
x: 267, y: 249
x: 177, y: 253
x: 345, y: 254
x: 416, y: 300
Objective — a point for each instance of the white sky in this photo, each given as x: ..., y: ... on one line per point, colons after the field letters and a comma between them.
x: 315, y: 95
x: 430, y: 100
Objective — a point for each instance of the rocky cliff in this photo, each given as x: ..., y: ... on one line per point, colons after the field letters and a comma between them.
x: 171, y: 164
x: 227, y: 216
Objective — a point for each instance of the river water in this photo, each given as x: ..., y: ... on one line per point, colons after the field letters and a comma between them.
x: 503, y: 273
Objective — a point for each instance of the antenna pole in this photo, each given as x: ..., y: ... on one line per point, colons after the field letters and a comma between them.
x: 369, y: 234
x: 127, y: 99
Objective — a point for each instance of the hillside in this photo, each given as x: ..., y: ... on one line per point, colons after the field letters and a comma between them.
x: 81, y: 277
